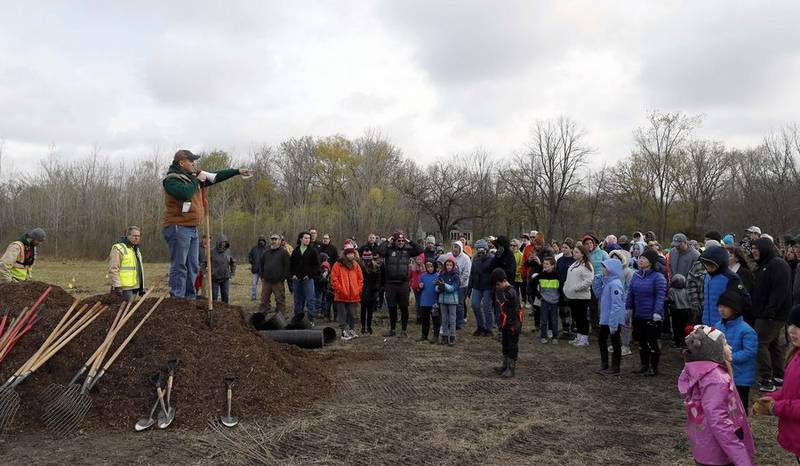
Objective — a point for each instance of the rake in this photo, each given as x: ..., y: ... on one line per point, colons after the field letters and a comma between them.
x: 67, y: 329
x: 64, y: 412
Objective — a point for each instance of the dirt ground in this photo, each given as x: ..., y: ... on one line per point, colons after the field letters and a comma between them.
x: 402, y: 402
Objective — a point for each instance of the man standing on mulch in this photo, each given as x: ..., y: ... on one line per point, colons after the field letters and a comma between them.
x: 17, y: 262
x: 183, y: 212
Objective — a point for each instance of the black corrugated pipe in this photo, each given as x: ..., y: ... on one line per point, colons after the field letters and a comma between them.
x: 299, y: 322
x: 310, y: 339
x: 271, y: 321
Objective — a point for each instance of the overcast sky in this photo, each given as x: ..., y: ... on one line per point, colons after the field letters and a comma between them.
x: 436, y: 77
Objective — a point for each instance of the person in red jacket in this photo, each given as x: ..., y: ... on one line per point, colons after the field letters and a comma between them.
x: 347, y: 282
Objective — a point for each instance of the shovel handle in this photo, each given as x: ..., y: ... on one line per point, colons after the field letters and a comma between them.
x: 131, y: 335
x: 54, y: 334
x: 51, y: 352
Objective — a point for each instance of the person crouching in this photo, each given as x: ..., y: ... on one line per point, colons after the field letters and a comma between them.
x: 510, y: 321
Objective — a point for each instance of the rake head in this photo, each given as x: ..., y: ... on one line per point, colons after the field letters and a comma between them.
x: 63, y: 414
x: 9, y: 404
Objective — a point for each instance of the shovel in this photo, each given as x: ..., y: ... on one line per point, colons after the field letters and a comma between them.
x: 229, y: 420
x: 148, y: 422
x: 166, y: 417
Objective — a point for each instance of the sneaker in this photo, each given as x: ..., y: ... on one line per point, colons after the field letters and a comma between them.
x: 583, y: 341
x: 777, y: 381
x: 549, y: 334
x: 610, y: 349
x: 766, y: 386
x: 544, y: 341
x: 574, y: 340
x: 554, y: 341
x: 626, y: 351
x: 353, y: 334
x: 346, y: 336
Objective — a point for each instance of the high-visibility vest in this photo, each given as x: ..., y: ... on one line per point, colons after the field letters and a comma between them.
x: 20, y: 271
x: 128, y: 278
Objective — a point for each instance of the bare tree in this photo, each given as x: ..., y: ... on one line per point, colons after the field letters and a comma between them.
x: 703, y: 176
x: 660, y: 150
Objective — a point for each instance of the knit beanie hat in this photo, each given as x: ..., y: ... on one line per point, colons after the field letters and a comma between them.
x: 481, y: 244
x: 37, y: 234
x: 733, y: 300
x: 712, y: 243
x: 705, y: 344
x: 430, y: 240
x: 727, y: 240
x: 794, y: 316
x: 651, y: 256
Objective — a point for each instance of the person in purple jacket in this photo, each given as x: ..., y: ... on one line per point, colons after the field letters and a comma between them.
x: 646, y: 295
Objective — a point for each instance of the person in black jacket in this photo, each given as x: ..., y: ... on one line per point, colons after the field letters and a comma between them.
x: 772, y: 300
x: 273, y: 267
x: 373, y: 283
x: 510, y: 321
x: 223, y: 268
x: 397, y: 256
x: 254, y: 258
x: 304, y: 267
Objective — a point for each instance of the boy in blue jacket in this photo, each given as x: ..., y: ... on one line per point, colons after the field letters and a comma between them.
x: 428, y: 298
x: 611, y: 291
x: 742, y: 339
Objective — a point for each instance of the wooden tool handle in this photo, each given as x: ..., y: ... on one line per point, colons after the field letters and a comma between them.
x: 131, y: 335
x: 54, y: 334
x: 50, y: 353
x: 101, y: 351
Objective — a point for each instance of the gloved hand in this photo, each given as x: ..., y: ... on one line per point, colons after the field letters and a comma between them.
x: 763, y: 406
x: 141, y: 293
x: 656, y: 317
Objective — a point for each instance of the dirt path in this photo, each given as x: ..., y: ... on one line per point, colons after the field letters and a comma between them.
x: 424, y: 404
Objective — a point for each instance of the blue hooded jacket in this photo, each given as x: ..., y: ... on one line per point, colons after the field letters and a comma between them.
x: 611, y: 291
x: 429, y: 296
x: 717, y: 283
x: 646, y: 294
x: 744, y: 346
x: 451, y: 284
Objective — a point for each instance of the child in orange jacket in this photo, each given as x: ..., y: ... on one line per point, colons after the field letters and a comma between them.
x: 347, y: 282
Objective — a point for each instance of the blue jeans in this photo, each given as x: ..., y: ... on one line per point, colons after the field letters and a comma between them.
x: 549, y: 319
x: 304, y: 296
x: 482, y: 307
x: 220, y: 287
x: 254, y: 286
x: 461, y: 315
x: 184, y: 263
x: 448, y: 312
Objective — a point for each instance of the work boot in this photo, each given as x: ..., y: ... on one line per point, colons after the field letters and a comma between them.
x: 502, y: 368
x: 478, y: 332
x: 644, y: 357
x: 451, y: 340
x: 509, y: 372
x: 390, y: 333
x: 653, y: 365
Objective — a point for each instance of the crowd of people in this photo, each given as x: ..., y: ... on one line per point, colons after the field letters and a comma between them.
x: 732, y: 308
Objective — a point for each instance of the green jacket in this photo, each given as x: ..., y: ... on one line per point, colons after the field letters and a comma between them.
x: 184, y: 191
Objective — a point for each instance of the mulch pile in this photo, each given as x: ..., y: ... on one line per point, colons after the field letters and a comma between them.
x: 271, y: 378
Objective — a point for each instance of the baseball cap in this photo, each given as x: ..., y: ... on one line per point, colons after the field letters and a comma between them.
x: 185, y: 154
x: 754, y: 229
x: 678, y: 239
x: 275, y: 236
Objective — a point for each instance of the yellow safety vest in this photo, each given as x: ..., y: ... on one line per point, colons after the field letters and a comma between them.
x: 128, y: 278
x: 19, y: 271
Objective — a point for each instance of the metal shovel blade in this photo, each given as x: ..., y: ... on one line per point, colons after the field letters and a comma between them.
x: 229, y: 421
x: 165, y: 419
x: 9, y: 404
x: 144, y: 424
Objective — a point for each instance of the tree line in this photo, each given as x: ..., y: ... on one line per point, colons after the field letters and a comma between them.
x: 671, y: 181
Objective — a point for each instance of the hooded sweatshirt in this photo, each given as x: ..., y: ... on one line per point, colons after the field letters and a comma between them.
x: 611, y: 291
x: 772, y: 295
x: 714, y: 284
x: 678, y: 295
x: 717, y: 425
x: 504, y: 258
x: 223, y: 265
x: 254, y: 257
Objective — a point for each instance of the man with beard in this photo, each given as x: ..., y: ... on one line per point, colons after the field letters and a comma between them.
x: 397, y: 256
x: 273, y: 269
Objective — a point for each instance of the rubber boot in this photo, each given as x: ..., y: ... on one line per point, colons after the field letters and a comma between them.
x: 502, y: 368
x: 509, y: 372
x: 654, y: 358
x: 644, y: 357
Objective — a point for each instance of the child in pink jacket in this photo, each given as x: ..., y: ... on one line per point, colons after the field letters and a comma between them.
x: 717, y: 422
x: 785, y: 403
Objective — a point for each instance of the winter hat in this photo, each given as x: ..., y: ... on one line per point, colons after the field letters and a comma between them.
x: 754, y: 229
x: 651, y: 256
x: 323, y: 257
x: 705, y: 344
x: 430, y: 240
x: 459, y: 244
x: 367, y: 256
x: 727, y: 240
x: 37, y: 234
x: 621, y: 255
x: 794, y: 316
x: 733, y: 300
x: 397, y: 234
x: 712, y: 243
x: 348, y: 247
x: 481, y: 244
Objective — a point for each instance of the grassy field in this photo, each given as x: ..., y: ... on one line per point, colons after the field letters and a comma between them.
x: 86, y: 278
